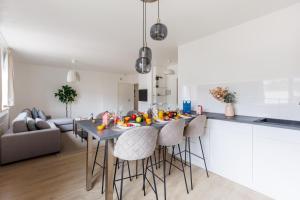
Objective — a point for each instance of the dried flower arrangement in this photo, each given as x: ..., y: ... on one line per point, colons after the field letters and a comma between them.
x: 223, y: 94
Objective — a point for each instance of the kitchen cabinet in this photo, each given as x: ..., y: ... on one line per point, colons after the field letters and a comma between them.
x: 231, y: 150
x: 276, y: 162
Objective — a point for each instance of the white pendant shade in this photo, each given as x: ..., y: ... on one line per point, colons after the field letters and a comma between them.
x: 72, y: 76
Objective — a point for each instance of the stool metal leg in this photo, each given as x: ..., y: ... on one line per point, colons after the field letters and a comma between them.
x: 190, y: 161
x: 143, y: 164
x: 115, y: 186
x: 122, y: 176
x: 95, y: 157
x: 164, y: 170
x: 173, y: 147
x: 103, y: 169
x: 153, y: 176
x: 183, y: 170
x: 145, y: 175
x: 129, y: 171
x: 203, y: 157
x: 185, y: 148
x: 159, y: 151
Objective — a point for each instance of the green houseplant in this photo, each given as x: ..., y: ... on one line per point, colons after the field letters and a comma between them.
x: 66, y: 94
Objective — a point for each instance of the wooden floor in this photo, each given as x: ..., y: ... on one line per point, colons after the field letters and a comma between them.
x: 62, y: 176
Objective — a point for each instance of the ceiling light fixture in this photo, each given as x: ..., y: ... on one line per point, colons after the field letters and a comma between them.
x: 72, y: 74
x: 158, y: 31
x: 143, y: 63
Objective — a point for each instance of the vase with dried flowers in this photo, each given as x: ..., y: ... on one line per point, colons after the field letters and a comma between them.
x: 226, y: 96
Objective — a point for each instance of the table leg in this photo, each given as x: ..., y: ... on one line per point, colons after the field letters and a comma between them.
x: 89, y: 162
x: 109, y: 172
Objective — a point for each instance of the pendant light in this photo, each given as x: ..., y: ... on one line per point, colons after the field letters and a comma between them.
x: 143, y: 63
x: 158, y: 31
x: 72, y: 74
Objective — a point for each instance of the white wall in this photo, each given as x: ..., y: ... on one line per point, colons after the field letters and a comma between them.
x: 260, y: 60
x: 35, y: 86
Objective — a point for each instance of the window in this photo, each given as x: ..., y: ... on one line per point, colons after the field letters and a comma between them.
x: 7, y: 93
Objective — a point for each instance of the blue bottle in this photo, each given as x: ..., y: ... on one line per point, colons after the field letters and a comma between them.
x: 187, y: 107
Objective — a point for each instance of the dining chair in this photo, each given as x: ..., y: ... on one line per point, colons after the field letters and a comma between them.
x: 171, y: 135
x: 136, y: 144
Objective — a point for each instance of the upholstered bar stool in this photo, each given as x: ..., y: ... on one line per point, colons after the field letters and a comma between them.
x: 136, y: 144
x: 171, y: 135
x: 103, y: 164
x: 195, y: 129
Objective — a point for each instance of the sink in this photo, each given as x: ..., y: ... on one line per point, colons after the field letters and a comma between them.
x: 279, y: 121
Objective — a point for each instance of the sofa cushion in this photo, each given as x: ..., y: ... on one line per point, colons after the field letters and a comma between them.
x: 28, y: 111
x: 19, y: 124
x: 42, y: 115
x: 35, y: 113
x: 41, y: 124
x: 31, y: 124
x: 62, y: 121
x: 66, y: 127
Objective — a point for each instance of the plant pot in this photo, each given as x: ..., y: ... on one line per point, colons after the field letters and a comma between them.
x: 229, y: 110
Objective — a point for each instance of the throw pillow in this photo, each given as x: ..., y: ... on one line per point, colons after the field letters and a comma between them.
x: 35, y: 113
x: 31, y: 124
x: 41, y: 124
x: 28, y: 111
x: 42, y: 115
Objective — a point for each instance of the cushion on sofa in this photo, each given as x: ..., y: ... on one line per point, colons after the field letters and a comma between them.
x: 42, y: 115
x: 31, y: 124
x: 19, y: 124
x: 62, y: 121
x: 66, y: 127
x: 35, y: 113
x: 28, y: 111
x: 41, y: 124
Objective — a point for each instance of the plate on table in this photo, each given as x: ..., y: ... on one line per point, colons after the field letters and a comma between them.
x: 128, y: 125
x: 184, y: 116
x: 160, y: 121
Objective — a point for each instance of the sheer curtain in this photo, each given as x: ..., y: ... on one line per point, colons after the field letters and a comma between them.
x: 7, y: 79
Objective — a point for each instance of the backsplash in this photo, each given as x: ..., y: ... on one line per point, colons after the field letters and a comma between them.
x: 269, y: 98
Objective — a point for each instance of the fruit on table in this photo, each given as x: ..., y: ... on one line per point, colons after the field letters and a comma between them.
x: 145, y: 115
x: 101, y: 127
x: 138, y: 119
x: 148, y: 121
x: 133, y: 116
x: 127, y: 119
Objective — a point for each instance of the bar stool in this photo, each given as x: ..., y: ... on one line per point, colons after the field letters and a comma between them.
x: 136, y: 144
x: 170, y: 136
x: 103, y: 164
x: 195, y: 129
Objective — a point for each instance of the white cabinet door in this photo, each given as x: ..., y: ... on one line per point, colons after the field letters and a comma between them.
x: 276, y: 162
x: 231, y: 150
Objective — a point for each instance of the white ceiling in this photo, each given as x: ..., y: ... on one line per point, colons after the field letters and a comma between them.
x: 106, y: 34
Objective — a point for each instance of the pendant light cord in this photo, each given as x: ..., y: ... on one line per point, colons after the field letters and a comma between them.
x: 158, y: 17
x: 145, y: 24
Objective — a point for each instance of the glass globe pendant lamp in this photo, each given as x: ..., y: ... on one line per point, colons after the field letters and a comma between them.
x: 158, y: 31
x: 143, y: 63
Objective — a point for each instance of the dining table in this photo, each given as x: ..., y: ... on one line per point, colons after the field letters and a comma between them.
x: 108, y: 135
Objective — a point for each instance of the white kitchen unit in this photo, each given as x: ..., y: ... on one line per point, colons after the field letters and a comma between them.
x: 263, y: 158
x: 276, y: 162
x: 231, y: 150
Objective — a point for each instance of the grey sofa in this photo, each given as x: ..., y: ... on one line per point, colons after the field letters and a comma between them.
x: 16, y: 145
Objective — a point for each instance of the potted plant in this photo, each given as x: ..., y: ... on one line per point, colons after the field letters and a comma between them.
x: 226, y: 96
x: 66, y: 94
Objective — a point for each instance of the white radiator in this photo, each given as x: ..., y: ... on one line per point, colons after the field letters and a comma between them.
x: 4, y: 121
